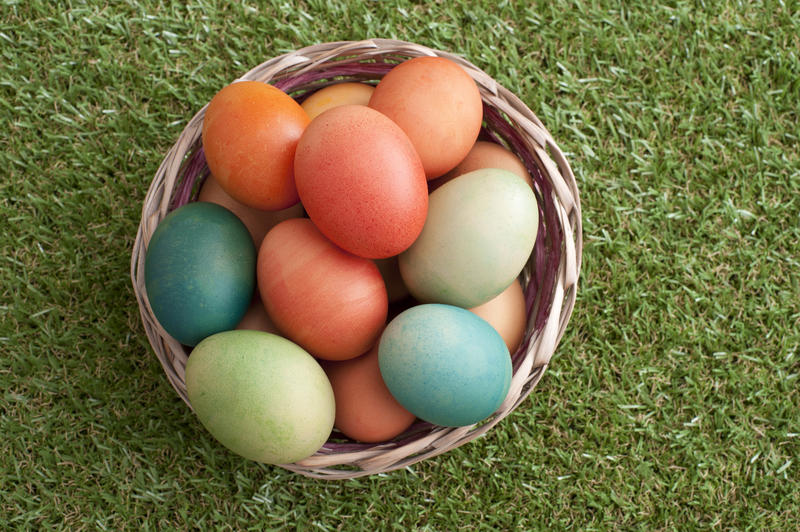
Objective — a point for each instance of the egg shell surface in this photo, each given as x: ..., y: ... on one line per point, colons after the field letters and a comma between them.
x: 479, y: 233
x: 260, y: 395
x: 507, y: 314
x: 329, y: 301
x: 365, y: 409
x: 250, y: 133
x: 257, y: 221
x: 437, y: 104
x: 485, y: 154
x: 199, y: 271
x: 336, y: 95
x: 445, y: 364
x: 361, y: 181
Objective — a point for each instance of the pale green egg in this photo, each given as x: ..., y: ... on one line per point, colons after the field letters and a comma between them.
x: 260, y: 395
x: 478, y: 235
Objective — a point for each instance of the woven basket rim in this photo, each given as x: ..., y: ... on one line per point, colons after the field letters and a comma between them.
x: 557, y: 193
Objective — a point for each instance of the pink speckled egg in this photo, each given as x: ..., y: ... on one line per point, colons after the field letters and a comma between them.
x: 361, y: 181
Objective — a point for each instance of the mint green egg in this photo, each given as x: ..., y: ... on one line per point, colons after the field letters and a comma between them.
x: 260, y: 395
x: 479, y: 233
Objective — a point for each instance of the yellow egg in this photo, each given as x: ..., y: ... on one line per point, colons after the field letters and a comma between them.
x: 258, y: 222
x: 336, y: 95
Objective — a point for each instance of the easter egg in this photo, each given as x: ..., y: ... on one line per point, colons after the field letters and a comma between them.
x: 250, y: 133
x: 485, y: 155
x: 260, y: 395
x: 444, y: 364
x: 257, y: 221
x: 336, y: 95
x: 437, y: 104
x: 478, y: 235
x: 507, y: 314
x: 327, y: 300
x: 257, y: 319
x: 365, y: 409
x: 361, y: 181
x: 199, y: 271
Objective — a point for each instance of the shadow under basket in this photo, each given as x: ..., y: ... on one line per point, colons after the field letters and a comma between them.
x: 549, y: 278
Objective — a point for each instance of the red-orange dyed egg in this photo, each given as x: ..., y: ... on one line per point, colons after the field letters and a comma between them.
x: 437, y: 104
x: 330, y: 302
x: 361, y: 181
x: 250, y: 133
x: 365, y: 409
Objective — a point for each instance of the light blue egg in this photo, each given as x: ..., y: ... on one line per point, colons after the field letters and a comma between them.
x: 444, y: 364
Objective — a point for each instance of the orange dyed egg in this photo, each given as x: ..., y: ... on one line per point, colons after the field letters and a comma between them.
x: 437, y: 104
x: 258, y: 222
x: 336, y: 95
x: 365, y: 409
x: 506, y: 313
x: 330, y: 302
x: 486, y: 155
x: 250, y: 133
x: 361, y: 181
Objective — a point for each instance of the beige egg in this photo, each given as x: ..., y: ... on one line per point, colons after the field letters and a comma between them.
x: 390, y: 271
x: 336, y: 95
x: 258, y: 222
x: 485, y: 155
x: 506, y: 313
x: 257, y: 319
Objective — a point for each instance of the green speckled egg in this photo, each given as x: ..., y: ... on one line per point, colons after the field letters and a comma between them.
x: 479, y: 233
x: 260, y: 395
x: 199, y: 271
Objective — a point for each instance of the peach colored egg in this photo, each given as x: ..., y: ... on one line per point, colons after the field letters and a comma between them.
x: 257, y: 319
x: 365, y: 409
x: 330, y: 302
x: 506, y: 313
x: 336, y: 95
x: 486, y: 154
x: 437, y: 104
x: 390, y: 271
x: 258, y: 222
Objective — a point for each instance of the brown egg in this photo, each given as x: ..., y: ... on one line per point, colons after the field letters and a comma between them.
x: 336, y: 95
x: 365, y: 409
x: 390, y: 271
x: 258, y: 222
x: 506, y: 313
x: 485, y: 155
x: 257, y: 319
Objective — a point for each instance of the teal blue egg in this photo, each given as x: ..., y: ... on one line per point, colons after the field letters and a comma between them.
x: 444, y: 364
x: 479, y: 233
x: 199, y: 271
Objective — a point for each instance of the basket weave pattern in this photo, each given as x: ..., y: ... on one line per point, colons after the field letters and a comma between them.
x: 549, y: 277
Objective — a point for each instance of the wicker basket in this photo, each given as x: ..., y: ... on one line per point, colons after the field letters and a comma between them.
x: 549, y: 278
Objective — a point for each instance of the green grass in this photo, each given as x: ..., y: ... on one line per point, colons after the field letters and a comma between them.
x: 672, y: 401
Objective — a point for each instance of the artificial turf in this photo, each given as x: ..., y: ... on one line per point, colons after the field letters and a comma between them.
x: 672, y: 401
